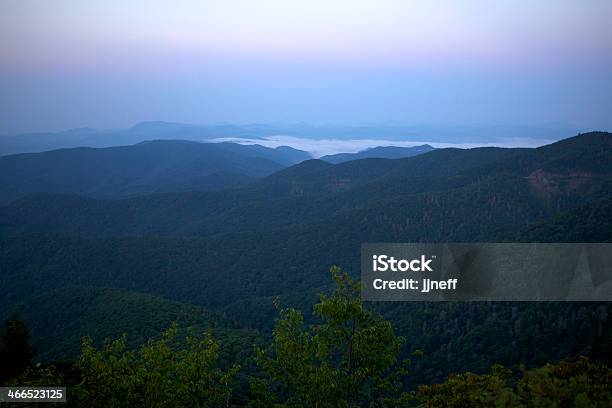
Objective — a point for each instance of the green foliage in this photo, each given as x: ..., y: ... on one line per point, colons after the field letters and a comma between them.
x: 577, y: 384
x: 59, y: 319
x: 348, y: 359
x: 470, y: 390
x: 162, y: 257
x: 587, y: 223
x: 451, y: 334
x: 15, y: 352
x: 166, y: 372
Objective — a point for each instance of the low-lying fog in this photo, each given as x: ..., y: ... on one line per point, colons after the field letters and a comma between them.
x: 322, y: 147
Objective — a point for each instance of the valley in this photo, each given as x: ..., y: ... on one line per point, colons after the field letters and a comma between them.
x: 280, y: 234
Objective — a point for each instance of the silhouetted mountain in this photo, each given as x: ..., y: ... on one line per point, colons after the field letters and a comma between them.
x: 295, y: 195
x: 354, y: 173
x: 381, y: 152
x: 85, y: 137
x: 161, y: 128
x: 147, y: 167
x: 284, y: 155
x: 443, y: 194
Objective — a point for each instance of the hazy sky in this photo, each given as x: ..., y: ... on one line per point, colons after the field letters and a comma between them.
x: 111, y: 63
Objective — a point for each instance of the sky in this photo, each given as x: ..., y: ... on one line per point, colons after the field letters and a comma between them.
x: 113, y: 63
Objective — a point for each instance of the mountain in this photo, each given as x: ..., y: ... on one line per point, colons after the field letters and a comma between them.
x: 87, y: 137
x: 40, y: 142
x: 147, y: 167
x: 141, y: 132
x: 587, y: 223
x: 284, y: 155
x: 281, y: 233
x: 449, y: 333
x: 381, y: 152
x: 291, y: 197
x: 60, y: 318
x: 235, y: 250
x: 438, y: 189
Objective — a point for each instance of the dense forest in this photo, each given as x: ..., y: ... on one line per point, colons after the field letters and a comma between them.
x: 349, y: 356
x: 233, y: 280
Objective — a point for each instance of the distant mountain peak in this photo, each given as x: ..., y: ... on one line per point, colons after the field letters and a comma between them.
x: 157, y: 123
x: 379, y: 152
x: 167, y: 142
x: 154, y: 165
x: 159, y: 126
x: 80, y: 130
x: 303, y: 168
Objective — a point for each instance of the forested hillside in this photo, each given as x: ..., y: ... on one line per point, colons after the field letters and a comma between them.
x: 143, y: 316
x: 433, y: 191
x: 147, y: 167
x: 381, y: 152
x: 587, y: 223
x: 228, y: 254
x: 346, y: 355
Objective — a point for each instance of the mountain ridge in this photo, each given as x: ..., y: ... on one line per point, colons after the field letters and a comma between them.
x: 379, y: 152
x: 81, y: 137
x: 147, y: 167
x: 234, y: 251
x: 449, y: 180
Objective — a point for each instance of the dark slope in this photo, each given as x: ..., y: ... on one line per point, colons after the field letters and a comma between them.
x: 274, y: 238
x: 589, y: 153
x: 38, y: 142
x: 472, y: 190
x: 268, y: 247
x: 86, y: 137
x: 440, y: 162
x: 284, y: 155
x: 587, y: 223
x: 318, y: 178
x: 450, y: 334
x: 296, y: 195
x: 143, y: 168
x: 60, y: 318
x: 303, y: 169
x: 380, y: 152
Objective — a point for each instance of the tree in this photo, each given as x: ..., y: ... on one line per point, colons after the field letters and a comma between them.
x: 470, y: 390
x: 16, y: 354
x: 349, y: 359
x: 166, y: 372
x: 566, y: 384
